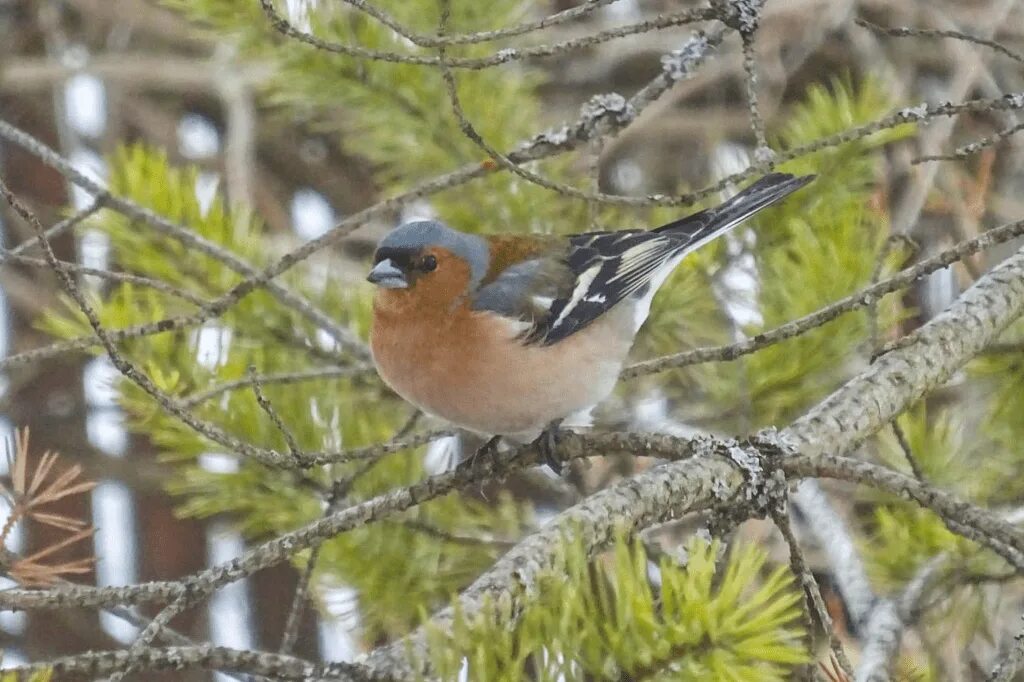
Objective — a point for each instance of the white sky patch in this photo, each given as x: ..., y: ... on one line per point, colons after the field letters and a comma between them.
x: 105, y: 430
x: 622, y: 10
x: 652, y: 415
x: 104, y: 424
x: 7, y: 443
x: 114, y: 544
x: 418, y: 210
x: 94, y: 249
x: 93, y: 252
x: 213, y: 343
x: 16, y: 538
x: 85, y: 99
x: 581, y: 419
x: 100, y: 377
x: 206, y: 189
x: 728, y: 159
x: 650, y: 412
x: 940, y: 290
x: 312, y: 215
x: 4, y: 332
x: 654, y: 573
x: 75, y: 57
x: 13, y: 658
x: 339, y: 624
x: 298, y: 12
x: 739, y: 280
x: 91, y: 165
x: 228, y: 611
x: 326, y: 340
x: 197, y: 137
x: 544, y: 515
x: 627, y: 176
x: 218, y: 462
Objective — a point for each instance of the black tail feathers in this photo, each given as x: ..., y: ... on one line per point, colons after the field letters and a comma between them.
x: 698, y: 228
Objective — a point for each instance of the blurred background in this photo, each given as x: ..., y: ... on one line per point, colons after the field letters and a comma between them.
x: 88, y: 77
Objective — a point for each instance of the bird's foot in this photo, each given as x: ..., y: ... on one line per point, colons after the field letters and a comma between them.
x: 547, y: 444
x: 485, y: 451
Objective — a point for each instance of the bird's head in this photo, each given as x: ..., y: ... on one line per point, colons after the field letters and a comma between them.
x: 428, y: 262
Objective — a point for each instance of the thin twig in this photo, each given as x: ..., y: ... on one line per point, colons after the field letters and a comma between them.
x: 908, y: 452
x: 813, y: 601
x: 582, y: 10
x: 59, y: 228
x: 275, y: 418
x: 907, y: 32
x: 148, y: 635
x: 109, y: 275
x: 286, y: 28
x: 299, y: 376
x: 968, y: 150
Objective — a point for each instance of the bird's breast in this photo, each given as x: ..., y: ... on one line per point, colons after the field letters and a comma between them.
x: 474, y: 371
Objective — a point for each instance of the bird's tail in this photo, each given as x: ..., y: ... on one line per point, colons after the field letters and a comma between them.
x: 699, y: 228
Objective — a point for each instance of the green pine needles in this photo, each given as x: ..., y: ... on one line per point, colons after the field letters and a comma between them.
x: 621, y: 617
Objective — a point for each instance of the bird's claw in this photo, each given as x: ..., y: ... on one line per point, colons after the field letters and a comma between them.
x: 547, y: 444
x: 487, y: 450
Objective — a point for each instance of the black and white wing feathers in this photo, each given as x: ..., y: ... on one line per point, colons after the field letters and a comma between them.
x: 608, y: 267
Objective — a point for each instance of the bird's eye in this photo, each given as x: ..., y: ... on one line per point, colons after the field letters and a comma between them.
x: 429, y: 263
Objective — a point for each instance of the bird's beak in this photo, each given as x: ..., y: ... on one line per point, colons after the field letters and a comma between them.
x: 387, y: 275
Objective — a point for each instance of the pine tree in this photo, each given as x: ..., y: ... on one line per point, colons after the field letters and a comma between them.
x: 654, y: 602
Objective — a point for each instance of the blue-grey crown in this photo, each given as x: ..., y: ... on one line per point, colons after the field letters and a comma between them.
x: 420, y: 234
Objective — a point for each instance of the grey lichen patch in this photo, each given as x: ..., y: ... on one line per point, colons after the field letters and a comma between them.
x: 602, y: 112
x: 606, y: 103
x: 764, y: 155
x: 749, y: 461
x: 721, y: 489
x: 678, y: 64
x: 765, y: 485
x: 1015, y: 100
x: 741, y: 15
x: 918, y: 113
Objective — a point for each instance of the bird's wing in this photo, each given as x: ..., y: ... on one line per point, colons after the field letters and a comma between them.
x: 555, y: 296
x: 561, y: 296
x: 607, y: 267
x: 521, y: 291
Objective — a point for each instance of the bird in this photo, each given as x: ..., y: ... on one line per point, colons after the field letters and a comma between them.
x: 507, y: 335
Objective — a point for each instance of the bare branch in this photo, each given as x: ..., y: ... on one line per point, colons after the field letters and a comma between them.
x: 286, y: 28
x: 201, y: 657
x: 907, y: 32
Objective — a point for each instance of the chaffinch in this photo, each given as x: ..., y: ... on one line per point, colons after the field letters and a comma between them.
x: 506, y: 335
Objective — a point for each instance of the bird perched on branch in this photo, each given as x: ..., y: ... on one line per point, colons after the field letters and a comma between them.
x: 506, y: 335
